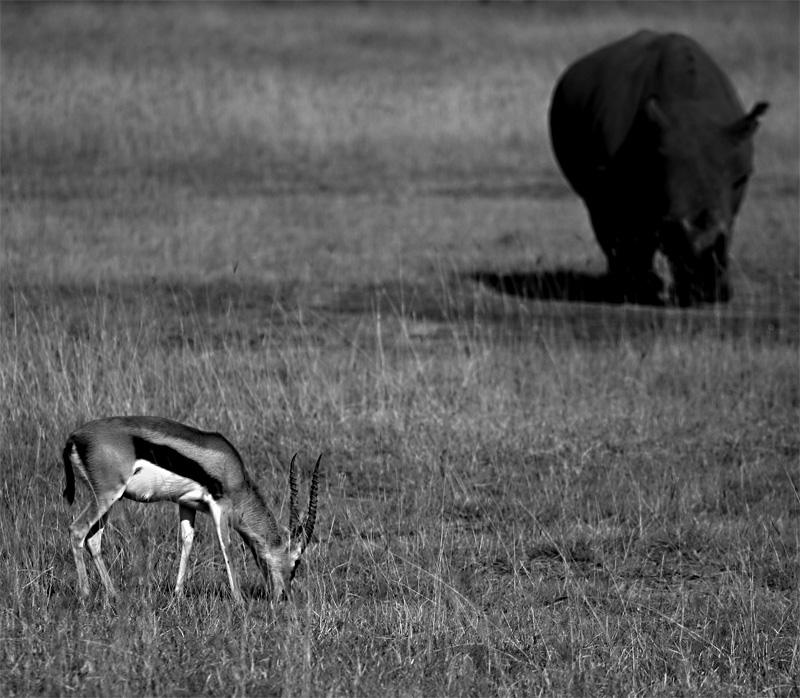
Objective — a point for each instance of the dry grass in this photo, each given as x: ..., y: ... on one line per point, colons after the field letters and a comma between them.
x: 497, y: 516
x: 264, y: 220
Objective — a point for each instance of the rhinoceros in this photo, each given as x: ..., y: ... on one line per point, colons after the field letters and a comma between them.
x: 650, y: 133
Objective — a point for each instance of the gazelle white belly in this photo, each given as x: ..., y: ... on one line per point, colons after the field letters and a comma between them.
x: 151, y: 483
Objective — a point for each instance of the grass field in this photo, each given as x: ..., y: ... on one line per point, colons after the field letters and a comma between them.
x: 272, y: 221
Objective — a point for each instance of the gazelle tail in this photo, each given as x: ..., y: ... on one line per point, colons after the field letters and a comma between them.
x: 69, y: 490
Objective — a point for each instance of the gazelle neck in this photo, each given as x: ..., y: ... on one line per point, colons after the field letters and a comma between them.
x: 254, y: 521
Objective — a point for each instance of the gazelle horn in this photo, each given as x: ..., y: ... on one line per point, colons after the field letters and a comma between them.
x: 308, y: 526
x: 293, y: 518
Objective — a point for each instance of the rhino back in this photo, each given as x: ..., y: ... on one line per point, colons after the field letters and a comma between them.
x: 686, y: 74
x: 597, y: 113
x: 595, y: 104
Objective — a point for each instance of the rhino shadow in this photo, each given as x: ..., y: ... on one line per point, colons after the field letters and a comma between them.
x: 564, y: 285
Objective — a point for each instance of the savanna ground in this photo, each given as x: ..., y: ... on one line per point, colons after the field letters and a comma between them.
x: 271, y: 221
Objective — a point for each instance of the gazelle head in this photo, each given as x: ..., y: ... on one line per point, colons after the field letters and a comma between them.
x: 300, y: 531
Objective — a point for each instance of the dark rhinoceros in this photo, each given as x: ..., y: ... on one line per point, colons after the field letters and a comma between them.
x: 651, y: 134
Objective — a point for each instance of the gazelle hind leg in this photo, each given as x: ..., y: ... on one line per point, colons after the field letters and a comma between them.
x: 87, y: 529
x: 77, y: 536
x: 187, y: 515
x: 222, y: 524
x: 93, y: 542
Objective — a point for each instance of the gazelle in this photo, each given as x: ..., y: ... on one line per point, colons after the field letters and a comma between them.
x: 151, y: 459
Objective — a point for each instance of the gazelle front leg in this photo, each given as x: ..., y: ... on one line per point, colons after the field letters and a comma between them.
x: 220, y: 513
x: 187, y: 515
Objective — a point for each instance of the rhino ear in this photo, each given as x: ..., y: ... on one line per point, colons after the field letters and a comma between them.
x: 656, y: 114
x: 747, y: 125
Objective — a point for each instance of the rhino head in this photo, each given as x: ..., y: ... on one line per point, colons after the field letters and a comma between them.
x: 703, y: 167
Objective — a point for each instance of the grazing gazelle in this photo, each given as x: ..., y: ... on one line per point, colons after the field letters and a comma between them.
x: 152, y: 459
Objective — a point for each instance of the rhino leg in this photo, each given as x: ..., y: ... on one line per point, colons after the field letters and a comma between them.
x: 630, y: 255
x: 712, y: 271
x: 635, y: 280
